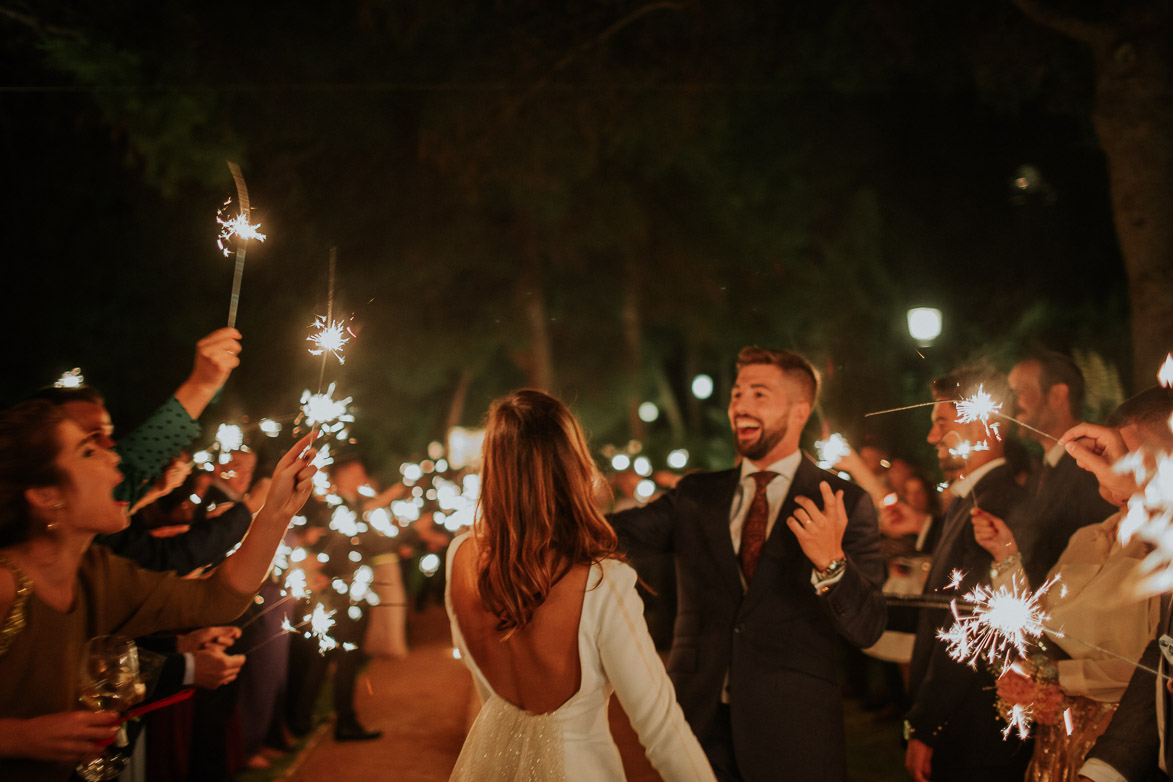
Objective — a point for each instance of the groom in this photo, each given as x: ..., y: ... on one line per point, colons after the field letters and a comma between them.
x: 769, y: 575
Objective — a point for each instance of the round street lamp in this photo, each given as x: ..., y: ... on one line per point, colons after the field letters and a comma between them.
x: 924, y: 324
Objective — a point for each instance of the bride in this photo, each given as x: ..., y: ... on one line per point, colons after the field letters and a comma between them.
x: 546, y: 617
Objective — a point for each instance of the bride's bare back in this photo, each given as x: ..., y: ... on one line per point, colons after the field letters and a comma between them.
x: 537, y: 669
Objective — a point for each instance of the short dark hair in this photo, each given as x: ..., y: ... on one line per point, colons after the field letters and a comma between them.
x: 60, y: 396
x: 28, y: 455
x: 793, y: 365
x: 1056, y: 368
x: 1149, y: 411
x: 964, y: 382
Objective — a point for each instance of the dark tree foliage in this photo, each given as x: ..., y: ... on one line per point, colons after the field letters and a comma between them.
x: 600, y: 198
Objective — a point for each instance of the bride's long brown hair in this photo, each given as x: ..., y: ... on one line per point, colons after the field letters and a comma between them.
x: 538, y: 517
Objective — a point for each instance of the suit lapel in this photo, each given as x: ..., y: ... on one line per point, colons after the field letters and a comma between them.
x: 714, y: 506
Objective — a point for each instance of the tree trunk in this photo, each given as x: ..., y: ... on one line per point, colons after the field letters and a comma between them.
x: 459, y: 397
x: 633, y: 341
x: 531, y: 289
x: 1133, y: 118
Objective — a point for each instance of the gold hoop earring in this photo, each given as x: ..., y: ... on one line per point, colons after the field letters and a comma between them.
x: 52, y: 525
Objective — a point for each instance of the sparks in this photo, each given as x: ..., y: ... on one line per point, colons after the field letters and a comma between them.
x: 1018, y: 719
x: 1003, y: 622
x: 344, y: 521
x: 324, y: 409
x: 979, y: 407
x: 1165, y: 376
x: 965, y: 449
x: 321, y: 621
x: 229, y: 437
x: 330, y: 338
x: 71, y: 379
x: 296, y: 583
x: 832, y: 450
x: 238, y: 228
x: 955, y: 580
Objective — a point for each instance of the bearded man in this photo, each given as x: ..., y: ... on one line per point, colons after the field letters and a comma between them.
x: 761, y: 604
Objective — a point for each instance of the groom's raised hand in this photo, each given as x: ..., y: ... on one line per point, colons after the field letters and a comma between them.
x: 820, y: 530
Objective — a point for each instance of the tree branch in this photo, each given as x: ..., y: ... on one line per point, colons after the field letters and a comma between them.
x: 1066, y: 24
x: 598, y: 40
x: 34, y: 23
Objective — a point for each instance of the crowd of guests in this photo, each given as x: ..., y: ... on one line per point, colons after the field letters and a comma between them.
x: 199, y: 582
x: 255, y: 684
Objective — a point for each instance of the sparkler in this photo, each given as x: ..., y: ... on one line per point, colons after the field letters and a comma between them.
x: 965, y: 449
x: 1019, y: 719
x: 1003, y: 622
x: 978, y: 407
x: 329, y: 339
x: 71, y: 379
x: 229, y: 438
x: 323, y: 409
x: 320, y: 623
x: 237, y: 231
x: 832, y: 450
x: 1165, y: 375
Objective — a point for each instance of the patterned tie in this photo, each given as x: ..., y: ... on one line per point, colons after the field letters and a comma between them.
x: 753, y: 532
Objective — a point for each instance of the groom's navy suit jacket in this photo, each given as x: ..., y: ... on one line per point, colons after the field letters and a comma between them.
x: 778, y: 640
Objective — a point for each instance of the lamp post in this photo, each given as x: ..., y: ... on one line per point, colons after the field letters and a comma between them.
x: 924, y: 325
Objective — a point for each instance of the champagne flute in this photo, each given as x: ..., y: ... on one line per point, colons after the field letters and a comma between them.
x: 109, y: 681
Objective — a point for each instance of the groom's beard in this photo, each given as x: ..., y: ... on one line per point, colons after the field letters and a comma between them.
x: 767, y: 439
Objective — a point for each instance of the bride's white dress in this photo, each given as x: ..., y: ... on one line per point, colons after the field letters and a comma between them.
x: 573, y: 742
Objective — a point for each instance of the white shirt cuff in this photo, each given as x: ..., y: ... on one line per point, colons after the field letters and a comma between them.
x: 827, y: 583
x: 1098, y: 771
x: 188, y: 669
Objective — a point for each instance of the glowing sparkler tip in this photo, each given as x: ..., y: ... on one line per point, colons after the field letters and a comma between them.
x: 978, y: 407
x: 965, y: 449
x: 1165, y: 376
x: 832, y: 450
x: 71, y: 379
x: 235, y: 228
x: 955, y: 579
x: 330, y: 338
x: 1003, y: 622
x: 229, y: 438
x: 1019, y: 719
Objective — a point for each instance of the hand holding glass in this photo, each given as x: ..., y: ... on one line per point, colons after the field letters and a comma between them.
x: 109, y: 681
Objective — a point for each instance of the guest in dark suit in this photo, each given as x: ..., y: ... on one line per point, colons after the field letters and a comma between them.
x: 1048, y: 392
x: 761, y: 605
x: 952, y: 727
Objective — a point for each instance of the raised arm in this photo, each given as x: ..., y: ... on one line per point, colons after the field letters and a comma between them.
x: 216, y: 356
x: 246, y: 568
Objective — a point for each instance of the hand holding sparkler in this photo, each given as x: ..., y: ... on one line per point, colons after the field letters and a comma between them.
x: 992, y: 534
x: 292, y: 480
x: 222, y: 636
x: 216, y: 356
x: 245, y: 569
x: 1097, y: 449
x: 820, y: 531
x: 918, y: 760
